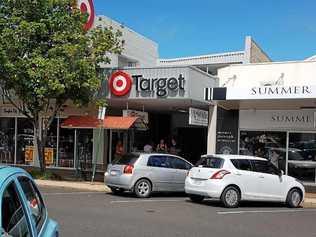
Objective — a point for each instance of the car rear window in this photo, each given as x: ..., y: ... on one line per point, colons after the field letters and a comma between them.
x: 210, y: 162
x: 127, y: 159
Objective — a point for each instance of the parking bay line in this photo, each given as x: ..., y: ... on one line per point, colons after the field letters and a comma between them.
x: 70, y: 193
x: 263, y: 211
x: 143, y: 201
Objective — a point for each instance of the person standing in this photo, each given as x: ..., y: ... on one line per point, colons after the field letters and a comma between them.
x: 148, y: 148
x: 173, y: 147
x: 119, y: 149
x: 162, y: 146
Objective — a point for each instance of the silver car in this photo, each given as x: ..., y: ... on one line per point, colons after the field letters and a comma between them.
x: 144, y: 173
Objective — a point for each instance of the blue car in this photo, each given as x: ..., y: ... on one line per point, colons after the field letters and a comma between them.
x: 23, y: 212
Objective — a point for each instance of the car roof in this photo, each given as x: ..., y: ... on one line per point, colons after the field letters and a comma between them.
x: 237, y: 157
x: 7, y: 171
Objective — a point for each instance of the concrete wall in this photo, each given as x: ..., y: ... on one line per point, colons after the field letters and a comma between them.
x: 254, y: 53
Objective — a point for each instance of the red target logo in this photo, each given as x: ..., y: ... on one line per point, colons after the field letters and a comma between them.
x: 120, y: 83
x: 86, y: 6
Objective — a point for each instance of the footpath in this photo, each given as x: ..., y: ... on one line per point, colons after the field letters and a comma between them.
x: 309, y: 202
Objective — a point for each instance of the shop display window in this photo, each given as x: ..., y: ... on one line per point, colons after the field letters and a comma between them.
x: 85, y: 148
x: 7, y: 132
x: 25, y: 142
x: 270, y: 145
x: 302, y: 156
x: 66, y: 147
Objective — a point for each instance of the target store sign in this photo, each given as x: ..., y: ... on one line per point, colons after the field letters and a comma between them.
x: 120, y: 83
x: 87, y: 6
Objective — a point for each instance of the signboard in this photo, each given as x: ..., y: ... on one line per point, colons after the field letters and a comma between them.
x: 49, y: 155
x: 277, y: 119
x: 9, y: 112
x: 29, y: 153
x: 198, y: 117
x: 140, y: 84
x: 134, y: 113
x: 261, y: 92
x: 227, y: 131
x: 87, y: 6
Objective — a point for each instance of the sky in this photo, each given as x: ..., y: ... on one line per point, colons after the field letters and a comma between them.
x: 284, y: 29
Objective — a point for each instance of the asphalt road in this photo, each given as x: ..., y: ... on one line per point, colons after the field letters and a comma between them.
x: 81, y: 213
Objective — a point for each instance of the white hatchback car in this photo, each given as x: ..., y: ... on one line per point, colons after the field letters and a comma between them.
x: 235, y: 178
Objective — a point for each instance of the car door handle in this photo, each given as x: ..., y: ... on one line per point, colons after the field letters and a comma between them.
x: 239, y: 174
x: 261, y: 177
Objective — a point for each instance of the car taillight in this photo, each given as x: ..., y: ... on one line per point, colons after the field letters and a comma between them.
x: 220, y: 174
x: 128, y: 169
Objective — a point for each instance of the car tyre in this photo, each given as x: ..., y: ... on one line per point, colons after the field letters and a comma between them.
x: 143, y: 188
x: 196, y: 198
x: 230, y: 197
x: 117, y: 191
x: 294, y: 198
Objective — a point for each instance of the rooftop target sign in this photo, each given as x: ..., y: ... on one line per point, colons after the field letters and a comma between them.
x: 87, y: 6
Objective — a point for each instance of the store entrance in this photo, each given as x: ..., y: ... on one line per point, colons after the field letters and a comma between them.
x: 193, y: 143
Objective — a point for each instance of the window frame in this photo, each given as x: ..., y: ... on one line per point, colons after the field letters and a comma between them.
x: 238, y: 167
x: 22, y: 202
x: 188, y: 166
x: 277, y: 171
x: 199, y: 163
x: 38, y: 225
x: 163, y: 167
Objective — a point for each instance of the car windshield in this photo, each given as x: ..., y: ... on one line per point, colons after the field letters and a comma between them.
x: 210, y: 162
x: 127, y: 159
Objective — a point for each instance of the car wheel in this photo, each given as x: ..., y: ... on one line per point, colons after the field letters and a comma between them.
x: 117, y: 191
x: 196, y: 198
x: 294, y: 198
x: 142, y: 188
x: 230, y: 197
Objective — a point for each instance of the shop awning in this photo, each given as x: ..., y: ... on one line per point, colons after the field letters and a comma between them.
x: 109, y: 122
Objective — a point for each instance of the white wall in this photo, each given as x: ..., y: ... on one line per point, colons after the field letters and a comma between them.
x: 137, y: 47
x: 285, y: 73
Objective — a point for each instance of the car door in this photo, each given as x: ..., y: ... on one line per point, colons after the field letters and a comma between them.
x: 246, y: 179
x: 270, y: 181
x: 34, y: 203
x: 161, y: 172
x: 181, y: 170
x: 14, y: 215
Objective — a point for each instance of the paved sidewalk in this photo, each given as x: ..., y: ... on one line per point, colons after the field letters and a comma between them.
x: 79, y: 185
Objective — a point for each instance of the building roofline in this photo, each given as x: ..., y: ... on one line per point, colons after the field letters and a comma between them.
x: 206, y: 56
x: 131, y: 30
x: 267, y: 63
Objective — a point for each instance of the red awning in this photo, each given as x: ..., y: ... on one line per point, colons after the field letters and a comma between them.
x: 109, y: 122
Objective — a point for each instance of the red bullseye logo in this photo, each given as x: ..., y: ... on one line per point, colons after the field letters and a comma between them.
x: 120, y: 83
x: 86, y: 6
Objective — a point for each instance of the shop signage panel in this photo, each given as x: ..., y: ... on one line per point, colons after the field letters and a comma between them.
x: 198, y: 117
x: 277, y: 119
x: 49, y: 155
x: 227, y: 131
x: 263, y: 92
x: 148, y: 84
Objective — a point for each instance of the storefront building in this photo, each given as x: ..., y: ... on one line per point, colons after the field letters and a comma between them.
x: 170, y: 102
x: 268, y: 110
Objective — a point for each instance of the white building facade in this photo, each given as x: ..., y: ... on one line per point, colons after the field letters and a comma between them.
x: 268, y: 110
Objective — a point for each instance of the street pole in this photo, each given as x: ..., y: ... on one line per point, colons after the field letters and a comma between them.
x: 101, y: 116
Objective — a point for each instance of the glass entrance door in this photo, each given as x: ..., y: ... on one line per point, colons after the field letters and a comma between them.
x: 302, y: 156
